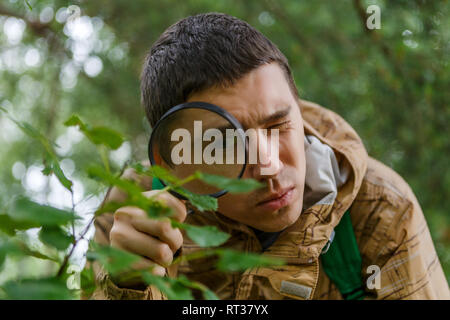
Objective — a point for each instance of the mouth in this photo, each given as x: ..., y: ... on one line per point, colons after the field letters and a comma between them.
x: 277, y: 200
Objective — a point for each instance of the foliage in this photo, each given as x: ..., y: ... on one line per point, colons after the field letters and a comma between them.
x: 390, y: 84
x: 25, y: 214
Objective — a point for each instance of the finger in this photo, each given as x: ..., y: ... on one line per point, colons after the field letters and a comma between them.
x: 142, y: 244
x: 129, y: 277
x: 145, y: 264
x: 162, y: 229
x: 129, y: 212
x: 150, y: 266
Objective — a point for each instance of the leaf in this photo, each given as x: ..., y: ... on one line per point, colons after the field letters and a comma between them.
x: 231, y: 260
x: 106, y: 136
x: 9, y: 225
x: 28, y: 5
x: 36, y: 215
x: 209, y: 295
x: 33, y: 253
x: 55, y: 237
x: 231, y: 185
x: 29, y: 130
x: 204, y: 236
x: 8, y: 248
x: 56, y: 169
x: 154, y: 208
x: 172, y: 288
x: 87, y: 281
x: 123, y: 184
x: 75, y: 120
x: 114, y: 260
x: 112, y: 207
x: 157, y: 209
x: 15, y: 247
x: 52, y: 163
x: 201, y: 202
x: 155, y: 172
x: 37, y: 289
x: 97, y: 135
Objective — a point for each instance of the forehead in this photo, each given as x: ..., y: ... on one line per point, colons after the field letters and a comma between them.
x: 257, y: 95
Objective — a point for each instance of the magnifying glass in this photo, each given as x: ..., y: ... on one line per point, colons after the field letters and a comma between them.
x: 198, y: 136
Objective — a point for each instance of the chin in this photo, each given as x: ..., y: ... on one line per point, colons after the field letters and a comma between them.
x: 280, y: 220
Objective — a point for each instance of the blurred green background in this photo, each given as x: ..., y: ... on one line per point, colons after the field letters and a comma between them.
x: 392, y: 85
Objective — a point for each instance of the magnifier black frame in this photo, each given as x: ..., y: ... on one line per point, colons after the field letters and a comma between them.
x: 198, y: 105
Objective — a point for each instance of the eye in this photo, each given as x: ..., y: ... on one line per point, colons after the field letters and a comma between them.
x: 281, y: 125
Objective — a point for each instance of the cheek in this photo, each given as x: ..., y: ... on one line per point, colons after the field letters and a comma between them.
x: 232, y: 205
x: 291, y: 150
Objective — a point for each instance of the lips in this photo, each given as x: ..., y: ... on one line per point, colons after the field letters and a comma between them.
x: 277, y: 200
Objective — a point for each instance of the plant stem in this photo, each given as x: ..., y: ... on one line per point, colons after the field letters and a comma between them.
x: 104, y: 155
x: 178, y: 184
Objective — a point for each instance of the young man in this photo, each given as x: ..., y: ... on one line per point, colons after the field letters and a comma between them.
x: 321, y: 172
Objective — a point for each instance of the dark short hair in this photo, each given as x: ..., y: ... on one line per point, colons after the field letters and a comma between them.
x: 201, y: 52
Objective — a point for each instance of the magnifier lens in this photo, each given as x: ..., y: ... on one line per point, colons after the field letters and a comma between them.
x: 197, y: 139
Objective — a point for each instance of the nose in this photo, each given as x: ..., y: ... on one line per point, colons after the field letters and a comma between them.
x: 268, y: 162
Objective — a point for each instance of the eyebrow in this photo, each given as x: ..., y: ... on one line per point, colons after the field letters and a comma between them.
x: 275, y: 116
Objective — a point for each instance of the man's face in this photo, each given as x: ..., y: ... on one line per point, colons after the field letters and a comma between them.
x: 263, y: 99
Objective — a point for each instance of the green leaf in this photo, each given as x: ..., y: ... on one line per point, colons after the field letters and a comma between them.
x: 37, y: 289
x: 209, y: 295
x: 201, y: 202
x: 56, y: 169
x: 123, y: 184
x: 204, y: 236
x: 97, y: 135
x: 15, y: 247
x: 172, y: 288
x: 106, y: 136
x: 36, y: 254
x: 154, y: 208
x: 157, y: 209
x: 112, y: 207
x: 9, y: 225
x: 231, y: 260
x: 114, y: 260
x: 28, y: 5
x: 231, y: 185
x: 55, y: 237
x: 36, y: 215
x: 87, y: 281
x: 8, y: 248
x: 51, y: 160
x: 156, y: 172
x: 75, y: 120
x: 30, y: 131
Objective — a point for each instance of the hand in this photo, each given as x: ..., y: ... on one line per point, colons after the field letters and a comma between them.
x: 154, y: 240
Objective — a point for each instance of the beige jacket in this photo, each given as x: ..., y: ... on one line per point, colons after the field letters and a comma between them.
x: 389, y: 226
